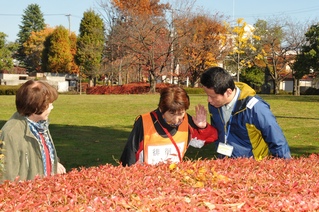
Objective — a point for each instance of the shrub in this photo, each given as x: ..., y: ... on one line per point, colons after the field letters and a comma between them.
x: 8, y: 89
x: 283, y: 92
x: 311, y: 91
x: 134, y: 88
x: 202, y: 185
x: 194, y: 90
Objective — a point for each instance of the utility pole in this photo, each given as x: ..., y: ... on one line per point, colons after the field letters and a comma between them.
x: 238, y: 47
x: 234, y: 11
x: 238, y: 60
x: 172, y: 48
x: 69, y: 15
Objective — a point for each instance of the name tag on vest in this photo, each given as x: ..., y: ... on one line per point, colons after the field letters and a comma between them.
x: 164, y: 153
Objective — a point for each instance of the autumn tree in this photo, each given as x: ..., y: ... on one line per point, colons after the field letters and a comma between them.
x: 142, y: 36
x: 243, y: 49
x: 273, y: 53
x: 6, y: 62
x: 141, y: 7
x: 159, y: 39
x: 32, y: 21
x: 57, y: 56
x: 149, y: 41
x: 296, y: 39
x: 202, y: 43
x: 118, y: 63
x: 33, y: 48
x: 90, y: 44
x: 74, y: 67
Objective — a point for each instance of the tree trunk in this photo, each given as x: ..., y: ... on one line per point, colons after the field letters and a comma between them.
x: 127, y: 75
x: 139, y: 74
x: 91, y: 82
x: 120, y: 74
x: 277, y: 85
x: 296, y: 88
x: 152, y: 83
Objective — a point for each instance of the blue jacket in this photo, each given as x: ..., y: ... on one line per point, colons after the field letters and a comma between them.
x: 253, y: 129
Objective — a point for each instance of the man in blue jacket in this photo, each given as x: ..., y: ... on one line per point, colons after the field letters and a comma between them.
x: 246, y: 126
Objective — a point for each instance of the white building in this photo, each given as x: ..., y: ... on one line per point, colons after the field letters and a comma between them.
x: 59, y: 81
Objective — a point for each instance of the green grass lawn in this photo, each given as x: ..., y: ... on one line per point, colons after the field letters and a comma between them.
x: 91, y: 130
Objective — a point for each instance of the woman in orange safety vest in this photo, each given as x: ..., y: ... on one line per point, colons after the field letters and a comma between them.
x: 163, y: 135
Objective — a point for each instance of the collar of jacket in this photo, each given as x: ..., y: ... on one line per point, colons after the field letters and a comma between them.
x: 24, y: 121
x: 246, y: 93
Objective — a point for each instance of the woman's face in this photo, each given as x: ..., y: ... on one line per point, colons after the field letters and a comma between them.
x: 174, y: 119
x: 42, y: 116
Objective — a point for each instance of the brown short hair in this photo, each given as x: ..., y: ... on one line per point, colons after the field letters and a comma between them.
x: 34, y: 97
x: 173, y: 99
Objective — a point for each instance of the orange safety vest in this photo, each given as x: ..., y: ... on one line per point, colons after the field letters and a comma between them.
x: 158, y: 149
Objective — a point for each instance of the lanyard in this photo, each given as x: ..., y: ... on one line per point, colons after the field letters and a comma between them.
x: 231, y: 117
x: 229, y: 123
x: 228, y: 128
x: 170, y: 137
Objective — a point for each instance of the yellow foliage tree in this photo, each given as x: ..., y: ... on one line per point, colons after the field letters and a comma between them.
x: 33, y: 48
x: 243, y: 44
x: 57, y: 56
x: 74, y: 67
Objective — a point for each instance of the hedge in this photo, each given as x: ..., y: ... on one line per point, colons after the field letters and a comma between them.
x: 135, y: 88
x: 203, y: 185
x: 312, y: 91
x: 8, y: 89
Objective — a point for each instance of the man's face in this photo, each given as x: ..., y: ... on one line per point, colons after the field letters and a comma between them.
x: 216, y: 100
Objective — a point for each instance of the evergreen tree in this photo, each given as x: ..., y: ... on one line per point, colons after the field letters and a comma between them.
x: 32, y: 21
x: 90, y: 44
x: 308, y: 59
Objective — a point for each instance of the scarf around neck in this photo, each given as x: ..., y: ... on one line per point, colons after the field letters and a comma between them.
x: 43, y: 128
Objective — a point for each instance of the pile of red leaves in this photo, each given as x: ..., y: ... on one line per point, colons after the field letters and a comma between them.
x: 203, y: 185
x: 133, y: 88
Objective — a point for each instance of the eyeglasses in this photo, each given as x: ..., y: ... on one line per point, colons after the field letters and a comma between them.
x: 174, y: 119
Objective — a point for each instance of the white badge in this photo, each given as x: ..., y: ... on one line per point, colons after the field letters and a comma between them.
x: 225, y: 149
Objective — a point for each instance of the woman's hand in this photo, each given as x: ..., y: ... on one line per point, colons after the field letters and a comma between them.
x: 200, y: 116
